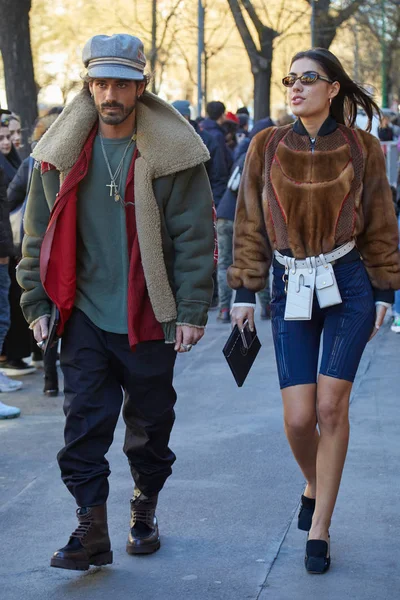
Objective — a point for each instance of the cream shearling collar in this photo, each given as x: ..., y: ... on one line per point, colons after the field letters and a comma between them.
x: 165, y: 140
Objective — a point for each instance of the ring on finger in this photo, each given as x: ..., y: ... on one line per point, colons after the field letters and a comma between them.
x: 186, y: 347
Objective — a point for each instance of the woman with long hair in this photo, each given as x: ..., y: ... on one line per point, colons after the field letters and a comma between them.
x: 9, y: 157
x: 315, y: 200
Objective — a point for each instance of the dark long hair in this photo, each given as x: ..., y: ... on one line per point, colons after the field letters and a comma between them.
x: 351, y: 95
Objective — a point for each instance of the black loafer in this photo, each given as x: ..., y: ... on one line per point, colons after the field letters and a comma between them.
x: 306, y: 513
x: 316, y: 559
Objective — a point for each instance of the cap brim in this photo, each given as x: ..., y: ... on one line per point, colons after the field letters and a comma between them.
x: 115, y: 72
x: 4, y: 111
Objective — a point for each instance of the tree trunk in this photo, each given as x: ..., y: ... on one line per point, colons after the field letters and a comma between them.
x: 262, y: 72
x: 15, y: 47
x: 205, y: 90
x: 262, y: 93
x: 325, y: 30
x: 260, y: 58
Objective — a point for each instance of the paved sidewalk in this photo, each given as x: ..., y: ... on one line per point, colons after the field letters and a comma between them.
x: 227, y: 515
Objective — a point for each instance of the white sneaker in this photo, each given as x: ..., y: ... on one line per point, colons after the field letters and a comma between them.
x: 8, y: 412
x: 9, y: 385
x: 396, y: 325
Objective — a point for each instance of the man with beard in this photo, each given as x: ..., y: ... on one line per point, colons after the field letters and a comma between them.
x: 126, y: 249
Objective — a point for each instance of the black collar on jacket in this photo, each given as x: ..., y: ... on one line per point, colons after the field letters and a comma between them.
x: 328, y: 126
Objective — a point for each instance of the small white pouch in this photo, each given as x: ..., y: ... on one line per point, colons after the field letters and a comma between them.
x: 300, y: 292
x: 326, y: 286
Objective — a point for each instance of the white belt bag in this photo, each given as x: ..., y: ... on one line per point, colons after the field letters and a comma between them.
x: 302, y: 277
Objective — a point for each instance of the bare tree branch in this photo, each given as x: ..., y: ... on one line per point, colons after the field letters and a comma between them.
x: 243, y: 29
x: 167, y: 21
x: 254, y: 16
x: 187, y: 62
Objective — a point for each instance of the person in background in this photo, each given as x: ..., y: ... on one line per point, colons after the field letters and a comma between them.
x: 395, y: 327
x: 213, y: 125
x: 285, y: 119
x: 17, y: 344
x: 243, y: 110
x: 385, y: 130
x: 17, y: 193
x: 231, y: 128
x: 229, y: 116
x: 216, y: 157
x: 6, y: 249
x: 9, y: 157
x: 225, y: 220
x: 243, y: 131
x: 15, y: 131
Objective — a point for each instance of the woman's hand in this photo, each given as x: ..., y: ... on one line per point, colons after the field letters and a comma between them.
x: 240, y: 314
x: 380, y: 317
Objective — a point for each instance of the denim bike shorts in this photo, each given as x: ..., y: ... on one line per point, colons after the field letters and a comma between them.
x: 345, y: 329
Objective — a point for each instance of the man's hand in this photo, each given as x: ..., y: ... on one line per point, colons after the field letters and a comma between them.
x: 41, y: 329
x: 187, y: 336
x: 241, y: 314
x: 380, y: 317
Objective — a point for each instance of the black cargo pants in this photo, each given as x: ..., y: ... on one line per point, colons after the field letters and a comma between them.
x: 98, y: 367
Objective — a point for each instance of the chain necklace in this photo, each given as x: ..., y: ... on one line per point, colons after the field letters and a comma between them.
x: 113, y: 185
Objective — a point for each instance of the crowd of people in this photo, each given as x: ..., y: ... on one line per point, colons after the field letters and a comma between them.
x: 19, y: 354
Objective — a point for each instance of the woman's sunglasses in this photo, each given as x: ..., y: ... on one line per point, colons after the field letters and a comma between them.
x: 306, y: 79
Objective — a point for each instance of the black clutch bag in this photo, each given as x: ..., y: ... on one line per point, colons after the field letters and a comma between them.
x: 240, y: 352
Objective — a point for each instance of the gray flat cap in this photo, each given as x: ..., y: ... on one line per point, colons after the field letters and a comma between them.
x: 119, y: 56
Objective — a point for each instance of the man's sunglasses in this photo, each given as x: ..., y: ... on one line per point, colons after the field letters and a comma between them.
x: 306, y: 79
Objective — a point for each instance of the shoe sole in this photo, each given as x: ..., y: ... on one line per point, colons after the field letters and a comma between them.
x: 10, y: 416
x: 98, y: 560
x: 17, y: 372
x: 150, y: 549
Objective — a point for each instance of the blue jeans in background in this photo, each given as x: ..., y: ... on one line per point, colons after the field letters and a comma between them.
x: 4, y: 303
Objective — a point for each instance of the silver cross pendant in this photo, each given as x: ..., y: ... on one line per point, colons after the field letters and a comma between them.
x: 112, y: 185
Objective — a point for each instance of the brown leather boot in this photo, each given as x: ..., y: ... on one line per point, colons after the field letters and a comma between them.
x: 89, y: 544
x: 144, y: 537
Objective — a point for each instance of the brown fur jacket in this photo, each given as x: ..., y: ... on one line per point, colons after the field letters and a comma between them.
x: 308, y: 200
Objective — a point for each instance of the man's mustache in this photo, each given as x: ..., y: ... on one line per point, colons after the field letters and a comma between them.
x: 111, y: 105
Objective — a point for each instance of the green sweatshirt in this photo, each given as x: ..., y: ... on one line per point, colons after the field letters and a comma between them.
x: 102, y: 247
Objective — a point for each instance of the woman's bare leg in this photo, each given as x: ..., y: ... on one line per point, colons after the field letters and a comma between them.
x: 300, y: 418
x: 333, y: 422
